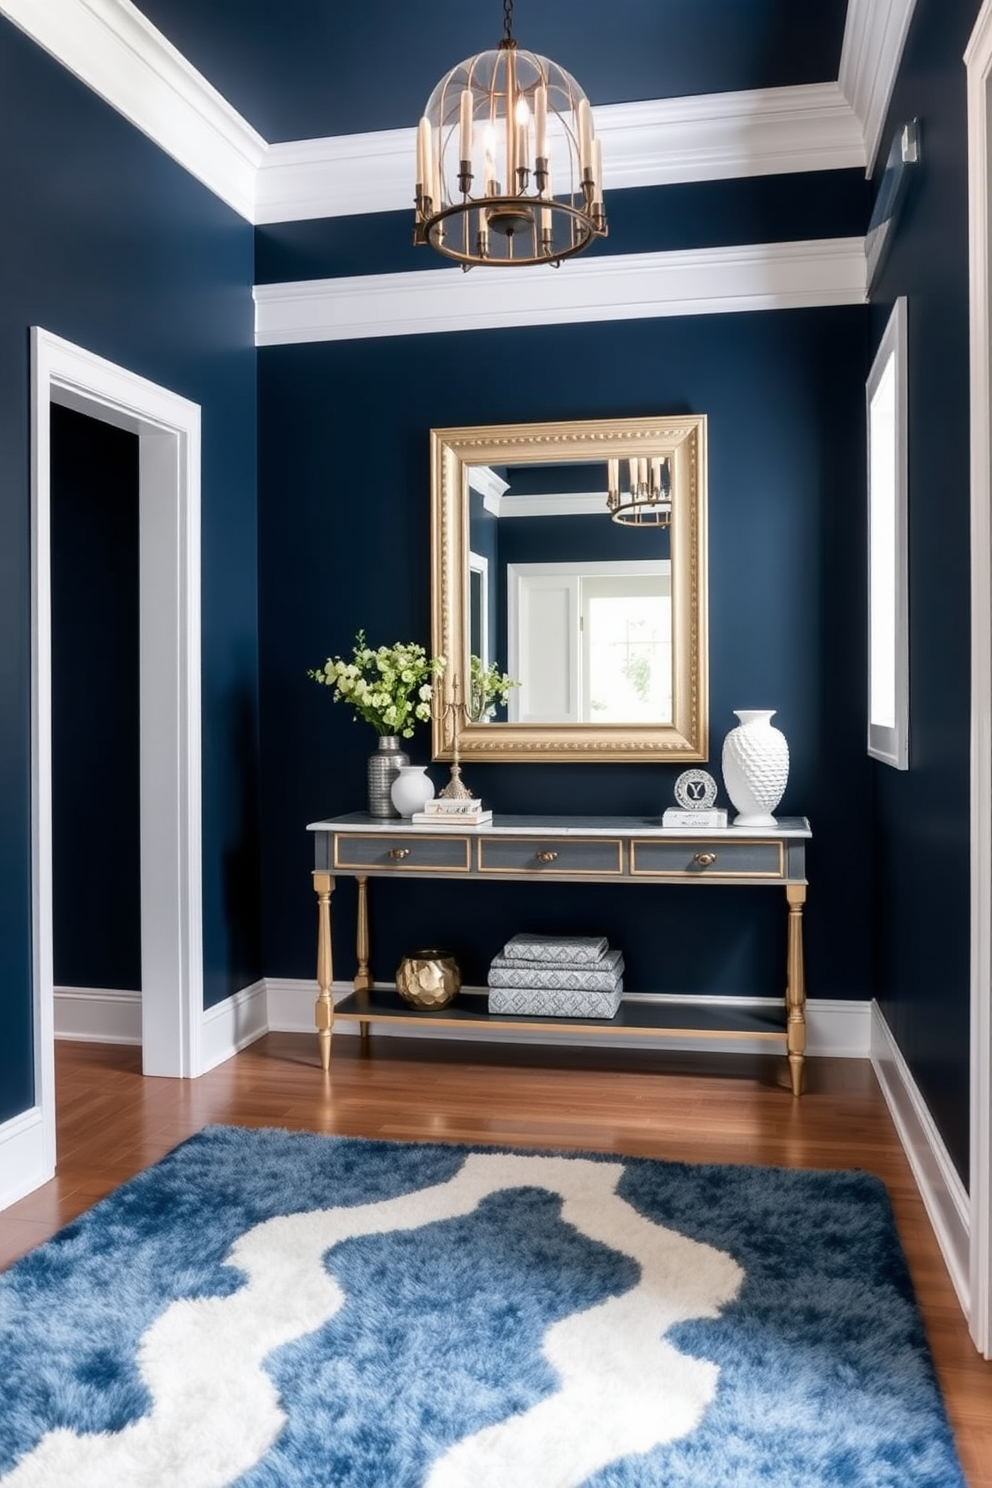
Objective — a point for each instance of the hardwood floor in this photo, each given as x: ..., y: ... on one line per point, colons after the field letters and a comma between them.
x: 112, y: 1123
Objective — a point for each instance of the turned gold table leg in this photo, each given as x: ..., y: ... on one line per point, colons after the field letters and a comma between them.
x: 363, y: 977
x: 323, y: 884
x: 795, y: 995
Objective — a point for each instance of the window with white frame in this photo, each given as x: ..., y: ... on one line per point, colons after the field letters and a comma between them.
x: 888, y: 607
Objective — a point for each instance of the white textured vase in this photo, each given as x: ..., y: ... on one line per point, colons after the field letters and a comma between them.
x: 755, y: 767
x: 412, y: 789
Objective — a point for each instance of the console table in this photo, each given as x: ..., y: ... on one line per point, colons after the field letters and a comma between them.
x: 563, y: 849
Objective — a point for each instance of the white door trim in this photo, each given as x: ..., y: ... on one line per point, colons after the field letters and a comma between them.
x: 168, y: 429
x: 978, y: 58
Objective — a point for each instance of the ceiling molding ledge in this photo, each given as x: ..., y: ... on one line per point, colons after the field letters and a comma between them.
x: 656, y: 143
x: 763, y: 276
x: 112, y: 48
x: 874, y: 38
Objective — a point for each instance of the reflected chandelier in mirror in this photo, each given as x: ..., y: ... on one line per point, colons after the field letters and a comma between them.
x: 600, y: 621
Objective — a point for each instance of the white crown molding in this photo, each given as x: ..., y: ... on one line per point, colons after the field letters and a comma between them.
x: 656, y: 143
x: 490, y: 486
x: 116, y: 51
x: 874, y: 37
x: 944, y: 1195
x: 563, y: 504
x: 763, y: 276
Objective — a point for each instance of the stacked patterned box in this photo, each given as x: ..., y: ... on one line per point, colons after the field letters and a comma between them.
x: 556, y: 976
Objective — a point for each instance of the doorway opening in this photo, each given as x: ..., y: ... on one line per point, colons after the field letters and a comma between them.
x: 96, y: 786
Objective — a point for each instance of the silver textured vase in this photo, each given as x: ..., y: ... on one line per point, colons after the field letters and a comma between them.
x: 755, y: 767
x: 384, y: 768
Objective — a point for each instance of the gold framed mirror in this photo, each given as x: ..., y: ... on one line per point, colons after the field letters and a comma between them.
x: 572, y: 557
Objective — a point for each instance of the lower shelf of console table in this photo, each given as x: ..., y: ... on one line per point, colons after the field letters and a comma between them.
x: 598, y: 850
x: 637, y: 1014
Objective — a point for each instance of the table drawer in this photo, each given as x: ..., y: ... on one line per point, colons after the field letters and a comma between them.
x: 403, y: 853
x: 707, y: 859
x: 598, y: 856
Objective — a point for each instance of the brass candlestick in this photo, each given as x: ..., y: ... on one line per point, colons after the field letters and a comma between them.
x: 456, y: 789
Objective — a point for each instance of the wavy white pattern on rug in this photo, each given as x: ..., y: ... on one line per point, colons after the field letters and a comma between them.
x: 215, y: 1411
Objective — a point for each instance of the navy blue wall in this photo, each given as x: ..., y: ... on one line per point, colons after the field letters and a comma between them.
x: 784, y: 394
x: 107, y: 242
x: 922, y: 816
x: 96, y: 836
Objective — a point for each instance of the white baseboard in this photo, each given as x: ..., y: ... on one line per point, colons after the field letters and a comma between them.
x: 104, y: 1016
x: 231, y: 1025
x: 943, y: 1193
x: 836, y: 1028
x: 285, y: 1005
x: 98, y: 1015
x: 24, y: 1162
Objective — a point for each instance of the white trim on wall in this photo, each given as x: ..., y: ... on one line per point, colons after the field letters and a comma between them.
x: 658, y: 142
x: 943, y: 1193
x: 706, y: 281
x: 25, y: 1148
x: 168, y: 430
x: 98, y: 1015
x: 117, y: 52
x: 874, y: 37
x: 232, y: 1024
x: 978, y: 58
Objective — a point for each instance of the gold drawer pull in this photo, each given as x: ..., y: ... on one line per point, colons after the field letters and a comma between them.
x: 398, y: 853
x: 546, y: 857
x: 704, y: 859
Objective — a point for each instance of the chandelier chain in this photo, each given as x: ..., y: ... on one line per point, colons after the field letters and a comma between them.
x: 508, y: 40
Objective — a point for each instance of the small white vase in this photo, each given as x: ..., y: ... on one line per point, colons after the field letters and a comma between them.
x: 412, y: 789
x: 755, y: 767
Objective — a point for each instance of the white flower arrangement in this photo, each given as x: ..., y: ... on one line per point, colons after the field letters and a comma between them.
x: 389, y: 687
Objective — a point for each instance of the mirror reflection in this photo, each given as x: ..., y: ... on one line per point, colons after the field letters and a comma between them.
x: 569, y: 589
x: 576, y: 609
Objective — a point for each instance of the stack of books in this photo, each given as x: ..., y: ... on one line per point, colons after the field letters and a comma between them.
x: 446, y: 812
x: 556, y: 976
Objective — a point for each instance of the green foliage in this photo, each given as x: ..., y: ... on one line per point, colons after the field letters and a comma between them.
x: 389, y: 687
x: 488, y: 688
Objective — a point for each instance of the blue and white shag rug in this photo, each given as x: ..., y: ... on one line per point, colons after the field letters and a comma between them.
x: 283, y: 1310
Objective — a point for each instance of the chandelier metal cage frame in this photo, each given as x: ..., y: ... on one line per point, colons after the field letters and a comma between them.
x: 509, y: 169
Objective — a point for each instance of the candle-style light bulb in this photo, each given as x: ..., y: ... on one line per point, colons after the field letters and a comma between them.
x: 541, y: 121
x: 585, y: 135
x: 521, y: 116
x: 424, y: 153
x: 597, y: 171
x: 465, y: 119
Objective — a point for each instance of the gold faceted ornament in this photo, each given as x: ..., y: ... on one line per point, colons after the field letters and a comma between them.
x: 428, y: 978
